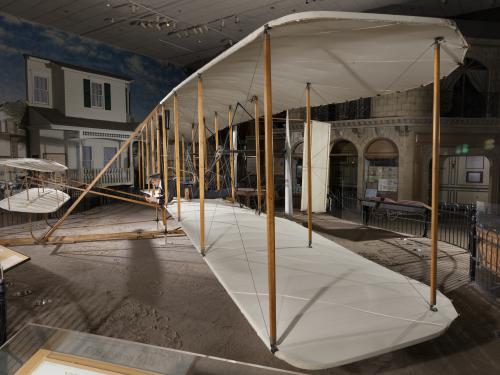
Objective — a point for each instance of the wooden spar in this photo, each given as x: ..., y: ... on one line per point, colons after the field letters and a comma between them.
x: 95, y: 180
x: 436, y: 134
x: 201, y: 145
x: 309, y: 163
x: 139, y: 164
x: 148, y: 171
x: 257, y: 153
x: 136, y: 235
x: 153, y: 144
x: 164, y: 132
x: 269, y: 156
x: 231, y: 156
x: 182, y: 160
x: 217, y: 163
x: 158, y: 139
x: 142, y: 185
x: 177, y: 159
x: 93, y: 192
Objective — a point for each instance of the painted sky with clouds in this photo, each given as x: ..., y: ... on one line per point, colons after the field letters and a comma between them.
x: 152, y: 80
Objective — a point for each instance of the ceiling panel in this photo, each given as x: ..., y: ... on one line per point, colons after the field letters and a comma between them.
x: 109, y: 21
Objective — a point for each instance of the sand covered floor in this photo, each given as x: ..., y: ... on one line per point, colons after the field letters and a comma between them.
x: 164, y: 294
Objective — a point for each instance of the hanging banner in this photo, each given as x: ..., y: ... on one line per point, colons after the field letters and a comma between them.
x: 320, y: 166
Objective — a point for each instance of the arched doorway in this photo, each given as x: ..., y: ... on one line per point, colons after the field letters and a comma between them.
x: 343, y: 181
x: 381, y: 169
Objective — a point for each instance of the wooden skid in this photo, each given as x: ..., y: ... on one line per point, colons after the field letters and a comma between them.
x: 56, y: 240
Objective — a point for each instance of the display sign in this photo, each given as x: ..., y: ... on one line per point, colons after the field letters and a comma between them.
x: 45, y: 362
x: 384, y: 179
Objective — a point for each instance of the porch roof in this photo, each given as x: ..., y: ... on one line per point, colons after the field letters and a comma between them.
x: 49, y: 116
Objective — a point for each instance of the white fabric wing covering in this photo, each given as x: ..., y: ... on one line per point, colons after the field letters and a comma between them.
x: 35, y: 201
x: 39, y: 165
x: 320, y: 162
x: 333, y: 306
x: 344, y: 56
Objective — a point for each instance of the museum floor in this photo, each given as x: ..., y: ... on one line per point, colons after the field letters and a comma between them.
x: 165, y: 294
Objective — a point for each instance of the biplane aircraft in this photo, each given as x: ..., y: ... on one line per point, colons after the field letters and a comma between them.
x: 41, y: 199
x: 313, y: 302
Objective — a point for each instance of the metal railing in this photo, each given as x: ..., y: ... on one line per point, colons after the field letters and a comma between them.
x: 474, y: 228
x: 413, y: 219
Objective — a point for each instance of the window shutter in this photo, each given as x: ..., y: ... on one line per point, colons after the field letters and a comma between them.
x: 107, y: 96
x: 86, y: 93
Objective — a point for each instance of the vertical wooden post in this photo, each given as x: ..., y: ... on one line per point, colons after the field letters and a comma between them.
x: 201, y: 150
x: 152, y: 135
x: 165, y: 153
x: 436, y: 134
x: 158, y: 139
x: 257, y: 153
x: 268, y: 122
x: 182, y: 160
x: 177, y: 161
x: 148, y: 171
x: 231, y: 155
x: 139, y: 164
x: 193, y: 145
x: 309, y: 163
x: 217, y: 163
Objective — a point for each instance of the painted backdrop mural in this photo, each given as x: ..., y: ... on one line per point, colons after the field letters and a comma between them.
x: 152, y: 80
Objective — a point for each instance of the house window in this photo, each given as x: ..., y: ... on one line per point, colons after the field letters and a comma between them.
x: 97, y: 95
x: 41, y: 90
x: 87, y: 157
x: 109, y: 152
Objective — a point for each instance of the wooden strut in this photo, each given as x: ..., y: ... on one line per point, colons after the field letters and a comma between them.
x: 193, y: 145
x: 164, y: 132
x: 159, y: 139
x: 257, y: 153
x: 201, y: 164
x: 96, y: 179
x: 231, y: 154
x: 177, y: 159
x: 152, y: 132
x: 148, y: 171
x: 182, y: 160
x: 269, y: 156
x: 141, y: 162
x: 309, y: 163
x: 217, y: 163
x: 436, y: 134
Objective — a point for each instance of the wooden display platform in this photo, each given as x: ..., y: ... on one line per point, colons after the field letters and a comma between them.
x: 56, y: 240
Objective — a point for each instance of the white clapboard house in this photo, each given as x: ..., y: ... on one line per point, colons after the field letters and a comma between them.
x: 79, y: 117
